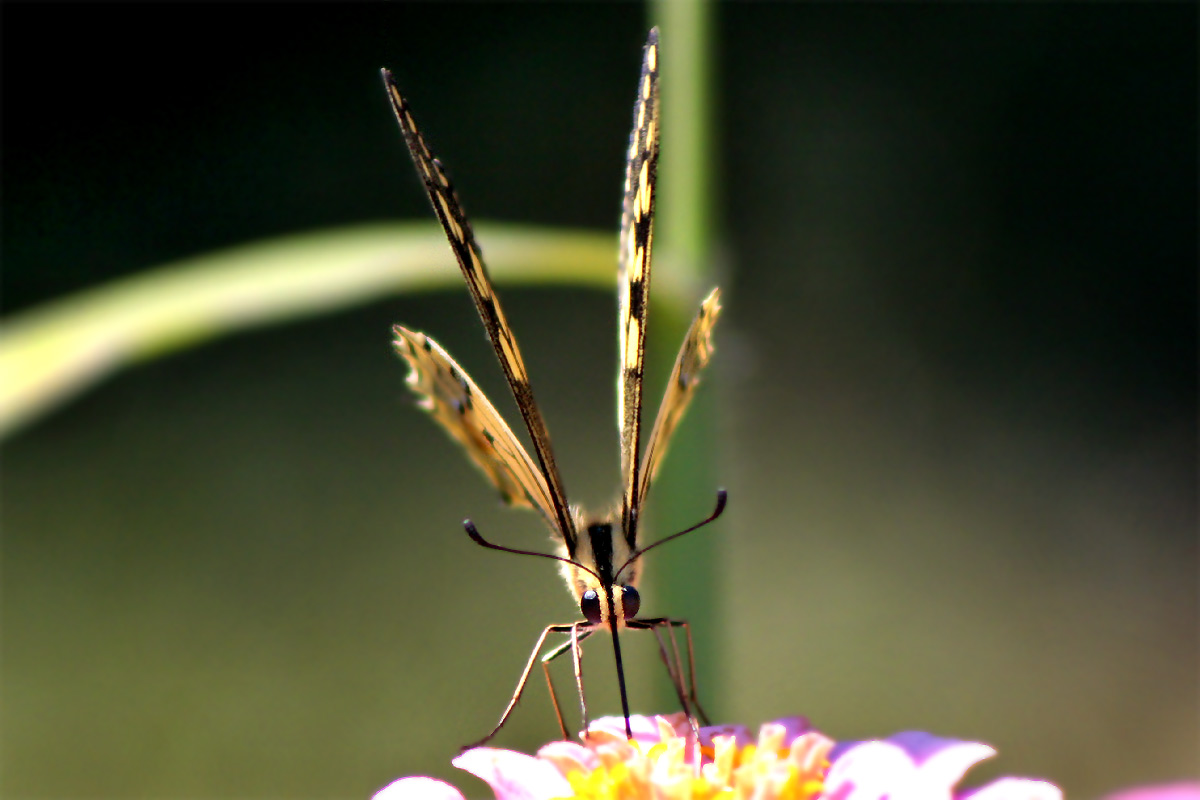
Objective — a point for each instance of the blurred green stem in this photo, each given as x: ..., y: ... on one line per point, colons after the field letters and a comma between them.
x: 687, y: 585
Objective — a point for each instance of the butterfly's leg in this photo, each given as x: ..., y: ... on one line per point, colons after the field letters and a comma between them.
x: 523, y: 680
x: 546, y: 659
x: 577, y: 658
x: 685, y: 688
x: 562, y: 725
x: 691, y: 681
x: 674, y: 665
x: 691, y: 657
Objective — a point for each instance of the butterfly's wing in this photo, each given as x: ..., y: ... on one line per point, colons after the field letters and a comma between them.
x: 464, y: 411
x: 685, y: 376
x: 462, y: 242
x: 633, y: 278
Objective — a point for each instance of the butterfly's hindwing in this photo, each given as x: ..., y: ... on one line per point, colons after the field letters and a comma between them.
x: 685, y: 377
x: 454, y: 400
x: 633, y: 278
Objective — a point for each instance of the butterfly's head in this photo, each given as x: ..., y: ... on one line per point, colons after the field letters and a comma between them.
x: 596, y: 610
x: 590, y: 575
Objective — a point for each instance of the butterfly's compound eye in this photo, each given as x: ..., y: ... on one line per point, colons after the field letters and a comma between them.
x: 631, y: 601
x: 589, y: 604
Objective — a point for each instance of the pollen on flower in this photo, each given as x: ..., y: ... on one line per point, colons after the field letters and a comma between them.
x: 641, y: 769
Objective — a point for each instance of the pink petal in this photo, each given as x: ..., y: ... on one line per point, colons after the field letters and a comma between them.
x: 1016, y: 789
x: 645, y: 729
x: 514, y: 776
x: 869, y: 771
x: 908, y: 765
x: 1166, y: 791
x: 946, y: 761
x: 569, y: 756
x: 418, y: 788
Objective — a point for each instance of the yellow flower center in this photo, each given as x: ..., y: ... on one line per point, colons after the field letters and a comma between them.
x: 763, y: 771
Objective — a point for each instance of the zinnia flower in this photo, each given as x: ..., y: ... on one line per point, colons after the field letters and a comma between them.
x: 788, y: 760
x: 1168, y: 791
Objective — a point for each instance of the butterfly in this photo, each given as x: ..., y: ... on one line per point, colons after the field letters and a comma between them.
x: 599, y: 556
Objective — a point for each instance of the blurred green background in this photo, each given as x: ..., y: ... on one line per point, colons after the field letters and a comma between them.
x: 953, y: 401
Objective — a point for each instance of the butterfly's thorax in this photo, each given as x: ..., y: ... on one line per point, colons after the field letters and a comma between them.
x: 601, y: 546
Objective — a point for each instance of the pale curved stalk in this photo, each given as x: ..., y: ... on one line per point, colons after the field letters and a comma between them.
x: 49, y: 353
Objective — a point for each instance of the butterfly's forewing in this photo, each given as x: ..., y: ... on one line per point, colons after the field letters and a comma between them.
x: 462, y: 242
x: 685, y: 376
x: 454, y: 400
x: 633, y: 279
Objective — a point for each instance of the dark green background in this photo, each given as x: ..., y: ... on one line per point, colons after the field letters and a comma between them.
x: 956, y: 386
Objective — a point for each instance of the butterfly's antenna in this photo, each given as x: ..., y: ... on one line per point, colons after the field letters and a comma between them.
x: 721, y: 498
x: 473, y: 532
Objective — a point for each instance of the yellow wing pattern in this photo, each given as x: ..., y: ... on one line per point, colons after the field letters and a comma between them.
x: 454, y: 400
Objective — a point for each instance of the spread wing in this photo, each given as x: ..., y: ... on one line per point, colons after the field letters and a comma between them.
x: 685, y: 376
x: 470, y: 260
x: 455, y: 401
x: 633, y: 278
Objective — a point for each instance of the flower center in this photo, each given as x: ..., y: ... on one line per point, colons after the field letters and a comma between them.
x: 763, y: 771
